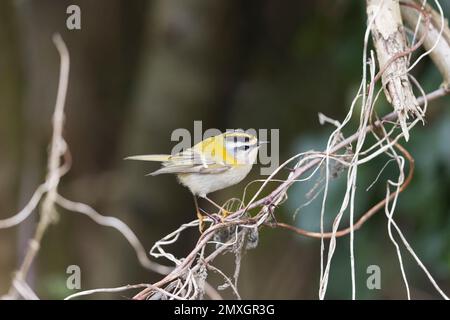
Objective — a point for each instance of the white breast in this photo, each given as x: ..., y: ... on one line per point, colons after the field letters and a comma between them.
x: 202, y: 184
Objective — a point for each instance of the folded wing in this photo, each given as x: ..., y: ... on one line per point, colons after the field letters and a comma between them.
x: 191, y: 161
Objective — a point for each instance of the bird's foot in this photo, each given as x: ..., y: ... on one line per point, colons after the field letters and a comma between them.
x: 201, y: 222
x: 215, y: 218
x: 224, y: 214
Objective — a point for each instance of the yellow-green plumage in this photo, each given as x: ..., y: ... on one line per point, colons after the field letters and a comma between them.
x: 212, y: 164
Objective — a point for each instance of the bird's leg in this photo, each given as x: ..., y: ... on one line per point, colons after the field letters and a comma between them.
x: 201, y: 217
x: 224, y: 213
x: 201, y: 223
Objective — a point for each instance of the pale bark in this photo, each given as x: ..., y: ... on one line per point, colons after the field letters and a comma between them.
x: 389, y: 40
x: 441, y: 51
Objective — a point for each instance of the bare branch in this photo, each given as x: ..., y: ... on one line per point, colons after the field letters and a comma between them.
x: 389, y: 39
x: 227, y: 280
x: 27, y: 210
x: 57, y: 149
x: 118, y: 225
x: 112, y: 290
x: 437, y: 42
x: 366, y: 216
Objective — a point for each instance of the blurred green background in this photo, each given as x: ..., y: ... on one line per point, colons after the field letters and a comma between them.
x: 139, y: 70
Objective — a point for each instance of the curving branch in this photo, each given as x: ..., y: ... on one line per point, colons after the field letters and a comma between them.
x: 55, y: 171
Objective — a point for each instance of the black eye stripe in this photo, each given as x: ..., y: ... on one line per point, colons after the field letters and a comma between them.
x: 237, y: 139
x: 243, y: 147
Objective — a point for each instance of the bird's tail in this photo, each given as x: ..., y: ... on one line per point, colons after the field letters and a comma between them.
x: 150, y: 157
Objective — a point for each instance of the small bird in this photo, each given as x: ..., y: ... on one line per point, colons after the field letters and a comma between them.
x: 212, y: 164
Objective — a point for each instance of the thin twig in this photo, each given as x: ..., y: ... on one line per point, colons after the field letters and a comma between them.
x: 27, y: 210
x: 107, y: 290
x: 227, y: 280
x: 120, y: 226
x: 57, y: 148
x: 366, y: 216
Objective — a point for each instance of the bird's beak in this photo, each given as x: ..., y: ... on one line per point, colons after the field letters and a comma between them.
x: 262, y: 142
